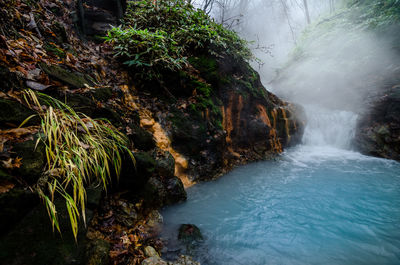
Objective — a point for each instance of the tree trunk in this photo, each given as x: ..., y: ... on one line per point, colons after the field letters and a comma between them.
x: 307, y: 11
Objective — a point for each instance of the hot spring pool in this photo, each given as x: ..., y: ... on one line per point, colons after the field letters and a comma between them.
x: 313, y: 205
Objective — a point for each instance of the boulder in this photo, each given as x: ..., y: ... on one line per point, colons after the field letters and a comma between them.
x: 154, y: 261
x: 189, y: 233
x: 74, y: 79
x: 154, y: 221
x: 378, y: 130
x: 97, y: 252
x: 33, y: 160
x: 13, y: 113
x: 165, y: 163
x: 149, y: 251
x: 175, y: 191
x: 184, y: 260
x: 141, y: 138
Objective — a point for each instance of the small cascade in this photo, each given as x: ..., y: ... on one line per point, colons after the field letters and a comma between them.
x: 327, y: 127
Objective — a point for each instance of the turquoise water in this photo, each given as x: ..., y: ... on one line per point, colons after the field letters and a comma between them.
x: 314, y: 205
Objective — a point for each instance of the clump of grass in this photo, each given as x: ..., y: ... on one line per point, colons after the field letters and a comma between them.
x: 79, y: 150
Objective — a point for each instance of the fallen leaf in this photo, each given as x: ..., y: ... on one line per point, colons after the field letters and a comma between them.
x: 36, y: 86
x: 6, y: 186
x: 18, y: 132
x: 12, y: 163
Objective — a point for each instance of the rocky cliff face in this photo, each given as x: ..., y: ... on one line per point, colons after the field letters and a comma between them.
x: 182, y: 132
x: 378, y: 131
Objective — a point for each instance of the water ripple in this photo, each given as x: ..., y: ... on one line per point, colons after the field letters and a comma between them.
x: 313, y: 206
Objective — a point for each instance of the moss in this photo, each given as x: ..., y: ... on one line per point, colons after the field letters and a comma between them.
x: 51, y: 48
x: 97, y: 252
x: 103, y: 93
x: 12, y: 112
x: 145, y: 164
x: 207, y: 66
x: 49, y: 248
x: 14, y: 205
x: 201, y: 87
x: 76, y: 80
x: 33, y: 160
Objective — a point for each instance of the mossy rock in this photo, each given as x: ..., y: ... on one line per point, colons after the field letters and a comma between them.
x: 175, y: 191
x: 97, y: 252
x: 32, y: 241
x: 12, y: 112
x: 154, y: 193
x: 33, y: 160
x: 14, y: 205
x: 141, y: 138
x: 165, y: 163
x: 208, y: 67
x: 145, y: 164
x: 9, y: 80
x: 103, y: 93
x: 54, y: 50
x: 74, y: 79
x: 189, y: 233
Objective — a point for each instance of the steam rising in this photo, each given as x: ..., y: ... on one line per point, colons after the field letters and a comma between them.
x: 339, y: 70
x: 336, y: 64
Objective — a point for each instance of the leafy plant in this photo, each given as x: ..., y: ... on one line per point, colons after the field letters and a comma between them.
x: 164, y: 34
x: 79, y: 150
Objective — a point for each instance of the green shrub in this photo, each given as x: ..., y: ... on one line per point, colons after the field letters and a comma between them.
x: 162, y: 36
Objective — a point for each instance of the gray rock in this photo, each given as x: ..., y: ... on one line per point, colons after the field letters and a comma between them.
x: 76, y: 80
x: 154, y: 220
x: 184, y: 260
x: 13, y: 112
x: 189, y: 233
x: 175, y: 191
x: 97, y: 252
x: 154, y: 261
x: 149, y: 251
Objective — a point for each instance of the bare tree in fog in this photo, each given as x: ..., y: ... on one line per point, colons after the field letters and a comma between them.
x: 307, y: 12
x: 332, y: 6
x: 285, y: 9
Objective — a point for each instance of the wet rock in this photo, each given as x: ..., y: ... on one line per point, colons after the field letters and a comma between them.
x: 97, y: 252
x: 154, y: 221
x: 102, y: 93
x: 9, y: 80
x: 141, y: 138
x: 14, y: 205
x: 175, y: 191
x: 145, y: 164
x: 76, y: 80
x: 155, y: 193
x: 149, y: 251
x: 33, y: 242
x: 165, y: 163
x: 94, y: 195
x: 14, y: 113
x: 184, y: 260
x: 189, y: 233
x: 33, y: 160
x: 154, y: 261
x: 378, y: 131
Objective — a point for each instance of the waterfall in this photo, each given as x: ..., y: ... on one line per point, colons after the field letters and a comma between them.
x: 327, y: 127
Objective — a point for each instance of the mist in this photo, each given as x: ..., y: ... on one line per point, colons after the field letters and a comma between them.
x: 335, y: 65
x: 340, y: 70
